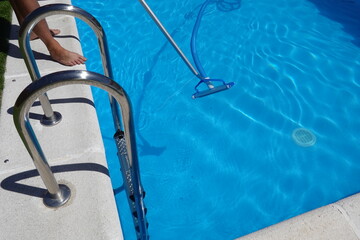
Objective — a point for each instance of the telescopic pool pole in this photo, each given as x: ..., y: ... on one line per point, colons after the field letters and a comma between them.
x: 171, y: 40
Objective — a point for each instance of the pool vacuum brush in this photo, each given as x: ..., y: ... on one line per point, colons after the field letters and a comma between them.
x: 211, y: 88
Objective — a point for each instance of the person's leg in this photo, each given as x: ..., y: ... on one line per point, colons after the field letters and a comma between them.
x: 22, y: 8
x: 21, y: 13
x: 53, y: 32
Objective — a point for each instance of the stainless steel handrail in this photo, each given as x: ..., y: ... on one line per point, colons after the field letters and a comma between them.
x: 59, y: 194
x: 54, y: 80
x: 125, y: 140
x: 24, y: 42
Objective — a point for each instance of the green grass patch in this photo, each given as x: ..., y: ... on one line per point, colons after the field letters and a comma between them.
x: 5, y: 25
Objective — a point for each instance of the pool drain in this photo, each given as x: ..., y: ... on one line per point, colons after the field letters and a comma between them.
x: 303, y: 137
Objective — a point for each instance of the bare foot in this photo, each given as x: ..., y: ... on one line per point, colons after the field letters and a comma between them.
x: 53, y: 32
x: 65, y: 57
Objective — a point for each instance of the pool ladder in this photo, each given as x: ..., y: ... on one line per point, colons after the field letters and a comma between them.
x: 58, y: 194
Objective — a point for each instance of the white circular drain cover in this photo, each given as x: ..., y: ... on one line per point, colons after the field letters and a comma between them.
x: 304, y: 137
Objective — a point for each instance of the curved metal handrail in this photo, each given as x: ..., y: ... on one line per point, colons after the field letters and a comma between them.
x: 24, y: 42
x: 59, y: 194
x: 125, y: 141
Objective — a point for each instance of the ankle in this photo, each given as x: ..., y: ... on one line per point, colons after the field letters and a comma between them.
x: 53, y: 45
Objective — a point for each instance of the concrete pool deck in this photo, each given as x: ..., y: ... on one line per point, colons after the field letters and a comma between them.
x: 79, y: 161
x: 337, y: 221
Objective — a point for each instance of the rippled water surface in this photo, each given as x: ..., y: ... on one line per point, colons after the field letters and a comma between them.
x: 226, y: 165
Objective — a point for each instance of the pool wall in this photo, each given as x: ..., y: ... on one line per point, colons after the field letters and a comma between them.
x: 73, y: 148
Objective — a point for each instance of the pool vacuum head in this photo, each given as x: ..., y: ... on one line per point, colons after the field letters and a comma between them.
x: 211, y: 88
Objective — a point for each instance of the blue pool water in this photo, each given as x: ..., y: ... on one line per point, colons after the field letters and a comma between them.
x: 226, y: 165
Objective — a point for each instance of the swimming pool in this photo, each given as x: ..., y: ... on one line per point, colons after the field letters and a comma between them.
x: 226, y: 165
